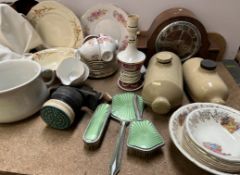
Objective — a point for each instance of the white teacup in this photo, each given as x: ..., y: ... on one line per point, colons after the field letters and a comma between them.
x: 22, y: 90
x: 108, y: 47
x: 90, y: 50
x: 72, y: 72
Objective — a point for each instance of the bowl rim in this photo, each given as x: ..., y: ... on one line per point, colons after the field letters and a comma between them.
x: 191, y: 136
x: 43, y: 55
x: 36, y: 75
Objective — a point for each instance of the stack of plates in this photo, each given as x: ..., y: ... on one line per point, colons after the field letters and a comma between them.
x: 209, y: 136
x: 101, y: 69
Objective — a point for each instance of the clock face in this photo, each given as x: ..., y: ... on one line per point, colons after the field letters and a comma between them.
x: 180, y: 37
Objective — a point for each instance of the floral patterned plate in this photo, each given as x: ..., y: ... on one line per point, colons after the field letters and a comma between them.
x: 176, y: 125
x: 51, y: 58
x: 56, y: 24
x: 215, y: 131
x: 109, y: 20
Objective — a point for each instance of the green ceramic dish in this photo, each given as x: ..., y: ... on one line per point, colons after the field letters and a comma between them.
x: 95, y: 128
x: 144, y: 136
x: 123, y: 106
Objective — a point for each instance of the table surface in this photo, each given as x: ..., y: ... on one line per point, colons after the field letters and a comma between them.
x: 30, y: 147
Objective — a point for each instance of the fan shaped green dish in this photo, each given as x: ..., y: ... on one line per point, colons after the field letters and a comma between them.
x: 95, y: 128
x: 123, y: 106
x: 144, y: 136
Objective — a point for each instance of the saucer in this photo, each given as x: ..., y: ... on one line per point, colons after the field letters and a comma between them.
x: 109, y: 20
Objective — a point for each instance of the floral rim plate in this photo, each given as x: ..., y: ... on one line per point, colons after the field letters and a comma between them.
x: 215, y: 131
x: 57, y: 25
x: 109, y: 20
x: 176, y: 124
x: 51, y: 58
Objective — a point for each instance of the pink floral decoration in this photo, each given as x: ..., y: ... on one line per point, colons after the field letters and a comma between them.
x: 96, y: 14
x: 120, y: 18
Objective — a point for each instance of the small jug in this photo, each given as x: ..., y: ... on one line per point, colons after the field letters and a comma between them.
x: 72, y: 71
x: 203, y: 82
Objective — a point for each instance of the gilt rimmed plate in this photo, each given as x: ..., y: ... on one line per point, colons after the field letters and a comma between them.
x: 215, y: 131
x: 109, y: 20
x: 176, y: 126
x: 57, y: 25
x: 51, y: 58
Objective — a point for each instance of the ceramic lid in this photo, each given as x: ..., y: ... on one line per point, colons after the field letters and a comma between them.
x: 208, y: 64
x: 164, y: 57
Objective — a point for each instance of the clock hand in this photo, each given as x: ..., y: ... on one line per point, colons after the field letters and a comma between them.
x: 180, y: 37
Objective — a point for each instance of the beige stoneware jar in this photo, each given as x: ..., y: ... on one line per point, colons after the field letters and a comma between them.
x: 163, y: 85
x: 203, y: 82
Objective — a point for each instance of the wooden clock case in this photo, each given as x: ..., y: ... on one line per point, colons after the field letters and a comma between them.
x: 165, y: 18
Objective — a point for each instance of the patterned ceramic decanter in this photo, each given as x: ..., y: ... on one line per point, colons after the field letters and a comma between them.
x: 131, y: 59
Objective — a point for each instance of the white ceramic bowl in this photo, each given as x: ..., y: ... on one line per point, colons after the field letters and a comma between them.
x: 22, y: 90
x: 215, y: 131
x: 176, y: 127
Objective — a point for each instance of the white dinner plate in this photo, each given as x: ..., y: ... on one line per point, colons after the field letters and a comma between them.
x: 176, y: 125
x: 109, y: 20
x: 56, y: 24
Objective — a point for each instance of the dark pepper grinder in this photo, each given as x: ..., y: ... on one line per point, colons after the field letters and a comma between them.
x: 65, y: 104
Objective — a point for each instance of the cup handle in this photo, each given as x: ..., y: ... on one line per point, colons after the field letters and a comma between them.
x: 89, y: 37
x: 53, y: 77
x: 77, y: 55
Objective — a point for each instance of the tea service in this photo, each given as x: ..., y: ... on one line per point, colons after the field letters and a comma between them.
x: 100, y: 47
x: 98, y: 52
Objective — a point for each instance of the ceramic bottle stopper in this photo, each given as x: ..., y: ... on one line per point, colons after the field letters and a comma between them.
x: 131, y: 59
x: 203, y: 82
x: 163, y: 86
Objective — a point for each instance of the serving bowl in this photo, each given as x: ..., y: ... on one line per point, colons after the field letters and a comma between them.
x: 22, y: 90
x: 176, y: 130
x: 215, y: 131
